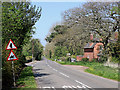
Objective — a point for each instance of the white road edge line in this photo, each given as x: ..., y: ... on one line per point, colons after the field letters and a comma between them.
x: 64, y: 74
x: 82, y: 83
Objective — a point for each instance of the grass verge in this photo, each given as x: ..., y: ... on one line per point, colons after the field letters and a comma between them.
x: 26, y: 79
x: 97, y: 69
x: 105, y: 71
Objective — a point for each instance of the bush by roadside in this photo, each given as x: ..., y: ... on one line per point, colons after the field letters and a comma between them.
x: 26, y: 79
x: 28, y: 59
x: 115, y: 60
x: 85, y: 59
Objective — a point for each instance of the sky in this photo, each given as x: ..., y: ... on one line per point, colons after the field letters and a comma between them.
x: 51, y: 14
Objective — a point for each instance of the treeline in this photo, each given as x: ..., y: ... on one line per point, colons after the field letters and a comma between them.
x: 18, y: 19
x: 33, y: 49
x: 98, y: 18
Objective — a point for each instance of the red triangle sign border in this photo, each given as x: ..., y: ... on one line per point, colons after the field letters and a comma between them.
x: 9, y: 56
x: 11, y: 48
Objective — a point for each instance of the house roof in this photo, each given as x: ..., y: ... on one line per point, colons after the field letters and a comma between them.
x: 90, y: 45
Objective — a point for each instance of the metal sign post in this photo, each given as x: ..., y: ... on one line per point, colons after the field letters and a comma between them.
x: 12, y: 57
x: 13, y: 74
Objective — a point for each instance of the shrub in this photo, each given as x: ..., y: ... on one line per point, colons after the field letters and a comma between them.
x: 68, y: 59
x: 54, y: 57
x: 85, y: 59
x: 63, y: 58
x: 94, y: 60
x: 28, y: 57
x: 73, y: 56
x: 102, y: 59
x: 39, y: 57
x: 115, y: 60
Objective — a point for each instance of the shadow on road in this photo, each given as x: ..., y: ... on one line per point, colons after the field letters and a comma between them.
x: 37, y: 70
x: 40, y: 74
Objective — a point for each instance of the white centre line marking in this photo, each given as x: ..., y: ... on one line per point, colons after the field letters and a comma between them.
x: 64, y: 74
x: 82, y: 84
x: 59, y: 72
x: 54, y: 69
x: 50, y: 66
x: 46, y: 87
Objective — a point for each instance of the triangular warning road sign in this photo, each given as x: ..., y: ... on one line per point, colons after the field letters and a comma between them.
x: 11, y: 45
x: 12, y: 56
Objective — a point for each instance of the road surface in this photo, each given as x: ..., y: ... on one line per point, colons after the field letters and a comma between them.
x: 49, y: 74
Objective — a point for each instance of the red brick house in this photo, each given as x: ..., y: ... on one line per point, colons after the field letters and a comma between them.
x: 94, y: 50
x: 91, y: 50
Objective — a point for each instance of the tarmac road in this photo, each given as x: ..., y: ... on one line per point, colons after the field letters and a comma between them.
x: 49, y: 74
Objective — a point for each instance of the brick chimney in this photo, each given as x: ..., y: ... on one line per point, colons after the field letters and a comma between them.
x: 91, y: 36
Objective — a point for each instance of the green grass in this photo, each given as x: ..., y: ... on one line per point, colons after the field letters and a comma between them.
x: 105, y: 71
x: 97, y: 69
x: 26, y: 79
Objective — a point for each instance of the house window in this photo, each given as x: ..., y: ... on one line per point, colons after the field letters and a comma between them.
x: 88, y: 50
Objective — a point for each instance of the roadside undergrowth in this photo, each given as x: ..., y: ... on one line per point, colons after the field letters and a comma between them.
x: 26, y: 79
